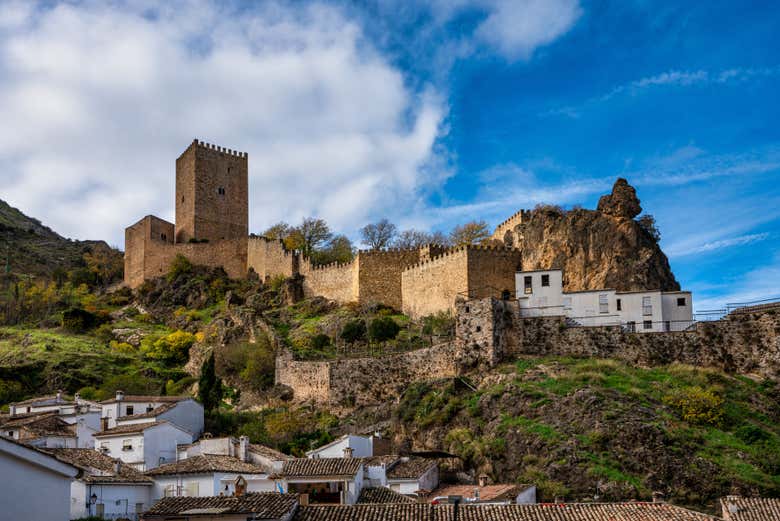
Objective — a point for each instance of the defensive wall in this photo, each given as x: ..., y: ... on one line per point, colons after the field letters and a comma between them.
x: 746, y: 343
x: 336, y: 281
x: 269, y: 258
x: 433, y: 285
x: 509, y: 225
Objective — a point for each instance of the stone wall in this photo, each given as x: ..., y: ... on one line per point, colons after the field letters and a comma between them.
x: 364, y: 381
x: 505, y: 232
x: 492, y: 271
x: 740, y: 343
x: 269, y: 258
x: 433, y: 285
x: 379, y: 275
x: 335, y: 281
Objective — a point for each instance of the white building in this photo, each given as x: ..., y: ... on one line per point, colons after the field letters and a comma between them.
x: 144, y: 445
x: 40, y: 430
x: 324, y: 480
x: 238, y: 448
x: 36, y: 485
x: 105, y: 487
x: 540, y: 293
x: 83, y: 414
x: 127, y: 409
x: 349, y: 445
x: 412, y: 475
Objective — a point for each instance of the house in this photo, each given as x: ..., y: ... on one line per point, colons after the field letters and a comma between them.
x: 36, y: 485
x: 84, y: 414
x: 379, y: 495
x: 506, y: 493
x: 737, y: 508
x: 258, y: 507
x: 127, y: 409
x: 143, y: 445
x: 105, y: 487
x: 349, y: 445
x: 540, y: 293
x: 323, y: 480
x: 480, y: 512
x: 209, y: 475
x: 40, y: 430
x: 376, y: 469
x: 413, y: 474
x: 238, y: 448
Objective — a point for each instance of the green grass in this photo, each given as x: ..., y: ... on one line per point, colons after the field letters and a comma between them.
x: 529, y: 426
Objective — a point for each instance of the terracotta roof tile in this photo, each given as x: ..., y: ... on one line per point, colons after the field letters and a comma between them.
x: 736, y: 508
x: 267, y: 505
x: 151, y: 414
x: 98, y: 467
x: 410, y: 468
x: 133, y: 428
x: 377, y: 495
x: 538, y: 512
x: 45, y: 400
x: 268, y: 452
x: 486, y: 493
x: 320, y: 467
x: 41, y: 425
x: 206, y: 464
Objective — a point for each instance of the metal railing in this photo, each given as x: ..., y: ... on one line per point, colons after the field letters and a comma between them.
x: 753, y: 305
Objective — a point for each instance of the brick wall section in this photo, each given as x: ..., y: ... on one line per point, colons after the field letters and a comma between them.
x: 433, y: 285
x: 335, y: 281
x: 269, y: 258
x: 740, y: 343
x: 379, y: 275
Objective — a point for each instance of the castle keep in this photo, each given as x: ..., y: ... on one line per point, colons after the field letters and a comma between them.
x: 211, y: 229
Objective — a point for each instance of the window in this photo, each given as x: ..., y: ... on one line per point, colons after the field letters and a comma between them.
x: 479, y: 328
x: 647, y: 324
x: 647, y: 306
x: 182, y: 198
x: 631, y: 326
x: 221, y: 190
x: 567, y: 303
x: 681, y: 301
x: 170, y: 490
x: 129, y: 410
x: 527, y: 284
x: 10, y: 434
x: 191, y: 489
x: 139, y: 508
x: 127, y: 444
x: 149, y: 408
x: 545, y: 281
x: 619, y: 305
x: 467, y: 309
x: 667, y: 326
x: 163, y: 236
x: 104, y: 447
x: 603, y: 303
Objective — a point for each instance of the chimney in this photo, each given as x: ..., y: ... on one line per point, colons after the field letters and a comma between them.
x: 59, y: 396
x: 658, y: 497
x: 117, y: 467
x: 483, y: 480
x: 348, y: 452
x: 243, y: 448
x: 120, y: 395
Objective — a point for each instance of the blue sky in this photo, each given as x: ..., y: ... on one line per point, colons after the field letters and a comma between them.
x: 429, y: 114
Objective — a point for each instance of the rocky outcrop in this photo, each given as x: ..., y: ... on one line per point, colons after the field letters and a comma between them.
x: 603, y: 248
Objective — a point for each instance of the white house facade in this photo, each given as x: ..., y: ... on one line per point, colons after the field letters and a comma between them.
x: 411, y: 475
x: 143, y: 445
x: 180, y: 410
x: 349, y: 445
x: 540, y: 293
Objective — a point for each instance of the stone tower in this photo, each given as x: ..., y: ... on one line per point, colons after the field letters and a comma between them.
x: 212, y: 199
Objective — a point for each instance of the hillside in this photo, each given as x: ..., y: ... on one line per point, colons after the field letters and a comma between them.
x: 32, y: 248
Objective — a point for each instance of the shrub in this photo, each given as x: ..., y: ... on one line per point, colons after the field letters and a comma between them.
x: 354, y: 331
x: 180, y: 265
x: 121, y: 347
x: 78, y: 320
x: 697, y: 405
x: 172, y: 349
x: 647, y: 223
x: 751, y: 434
x: 320, y: 341
x: 383, y: 328
x: 442, y: 324
x: 10, y: 391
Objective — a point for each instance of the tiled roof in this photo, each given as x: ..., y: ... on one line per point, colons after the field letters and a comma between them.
x: 133, y: 428
x: 269, y: 453
x: 207, y: 463
x: 147, y: 399
x: 151, y: 414
x: 486, y: 493
x: 98, y: 467
x: 267, y: 505
x: 410, y: 468
x: 320, y: 467
x: 376, y: 461
x: 537, y: 512
x: 377, y: 495
x: 736, y: 508
x: 41, y: 425
x: 45, y: 400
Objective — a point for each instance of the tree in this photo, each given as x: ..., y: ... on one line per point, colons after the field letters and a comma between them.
x: 279, y: 231
x: 409, y: 239
x: 106, y: 263
x: 647, y: 223
x: 378, y: 235
x: 312, y: 234
x: 473, y: 232
x: 339, y: 249
x: 210, y: 388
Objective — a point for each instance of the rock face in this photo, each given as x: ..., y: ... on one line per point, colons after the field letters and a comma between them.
x: 603, y: 248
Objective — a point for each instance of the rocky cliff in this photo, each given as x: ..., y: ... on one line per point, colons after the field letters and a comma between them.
x: 602, y: 248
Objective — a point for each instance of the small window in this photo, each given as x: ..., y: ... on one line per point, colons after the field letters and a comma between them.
x: 619, y: 305
x: 681, y: 301
x: 129, y: 411
x: 467, y: 309
x: 545, y: 281
x: 528, y: 288
x: 221, y: 190
x: 127, y: 445
x: 603, y: 303
x: 647, y: 324
x: 631, y: 326
x: 149, y: 408
x: 479, y: 328
x: 182, y: 198
x: 647, y: 306
x: 170, y: 490
x: 104, y: 446
x: 667, y: 326
x: 10, y: 434
x: 163, y: 237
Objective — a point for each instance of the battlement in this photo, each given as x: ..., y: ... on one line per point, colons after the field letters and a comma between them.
x: 330, y: 266
x: 389, y: 251
x: 499, y: 251
x: 516, y: 218
x: 217, y: 148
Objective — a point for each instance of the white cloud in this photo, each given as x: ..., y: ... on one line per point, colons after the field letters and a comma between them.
x: 98, y: 102
x: 754, y: 286
x: 720, y: 244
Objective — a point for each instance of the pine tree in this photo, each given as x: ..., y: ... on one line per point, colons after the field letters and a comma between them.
x: 210, y: 386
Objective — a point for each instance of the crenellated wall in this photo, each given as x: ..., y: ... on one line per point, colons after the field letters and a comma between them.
x: 335, y: 281
x: 269, y: 258
x: 379, y: 275
x: 505, y: 232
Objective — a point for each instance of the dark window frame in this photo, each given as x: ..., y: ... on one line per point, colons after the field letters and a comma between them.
x: 545, y: 281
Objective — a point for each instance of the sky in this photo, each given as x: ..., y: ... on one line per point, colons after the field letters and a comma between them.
x: 427, y: 113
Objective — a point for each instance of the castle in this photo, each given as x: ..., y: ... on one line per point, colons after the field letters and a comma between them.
x: 212, y: 214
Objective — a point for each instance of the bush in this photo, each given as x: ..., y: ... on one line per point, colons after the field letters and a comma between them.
x: 171, y: 349
x: 320, y: 341
x: 78, y: 320
x: 180, y: 265
x: 751, y: 434
x: 697, y: 405
x: 647, y: 223
x: 382, y: 329
x: 441, y: 324
x: 354, y: 331
x: 121, y: 347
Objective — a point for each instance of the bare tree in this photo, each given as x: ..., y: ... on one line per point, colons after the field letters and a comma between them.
x: 378, y: 235
x: 412, y: 238
x: 473, y: 232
